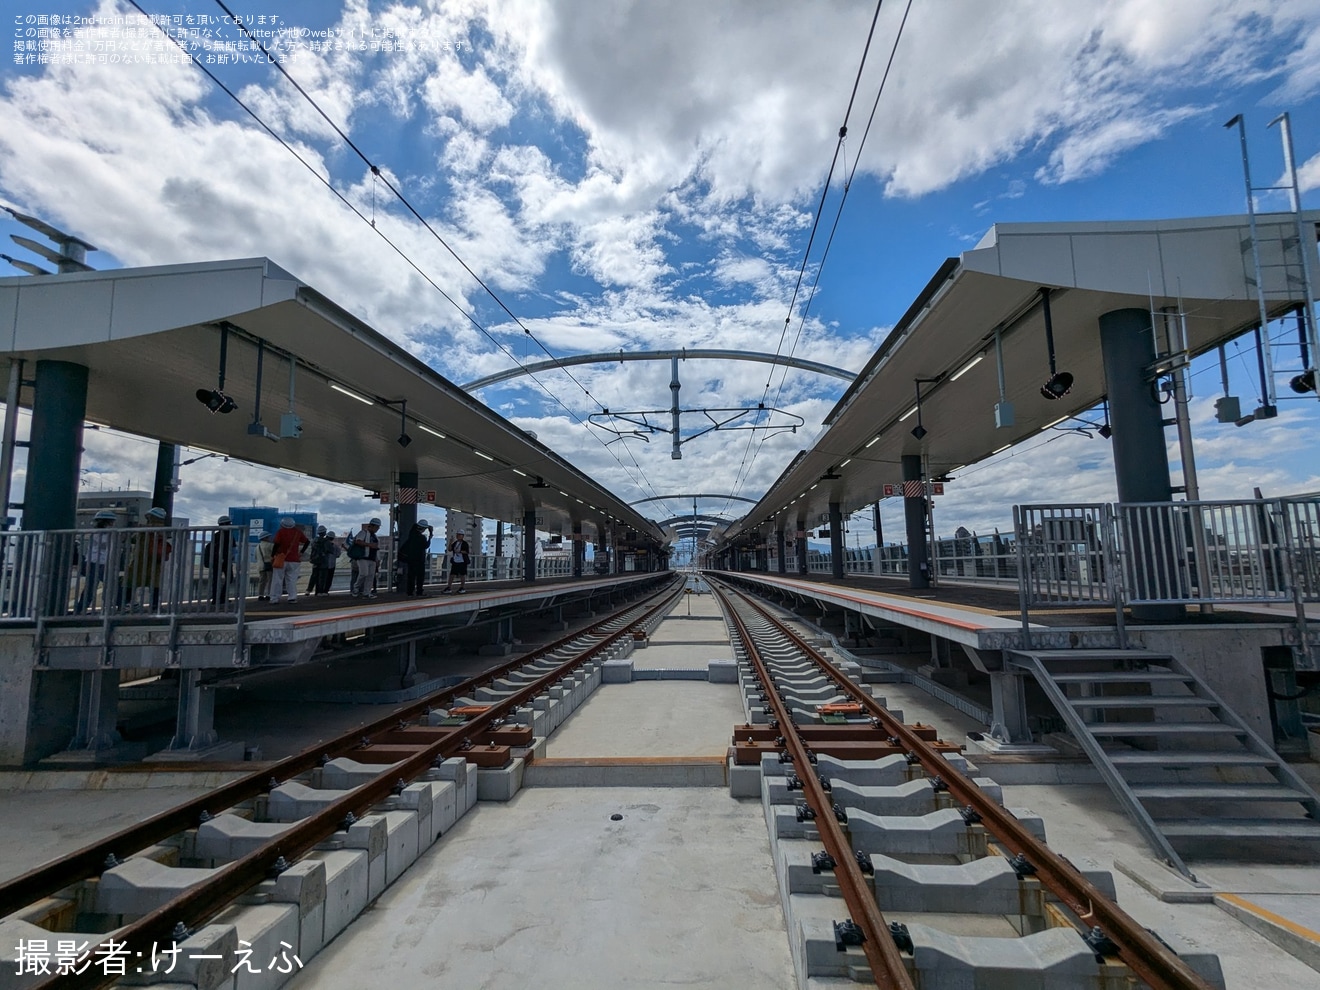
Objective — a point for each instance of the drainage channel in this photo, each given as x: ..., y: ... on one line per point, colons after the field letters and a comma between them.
x: 273, y: 866
x: 970, y: 893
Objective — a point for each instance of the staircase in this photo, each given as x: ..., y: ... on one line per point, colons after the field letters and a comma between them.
x: 1195, y: 779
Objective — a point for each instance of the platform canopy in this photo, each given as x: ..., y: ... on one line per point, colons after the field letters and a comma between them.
x: 1200, y: 268
x: 151, y: 337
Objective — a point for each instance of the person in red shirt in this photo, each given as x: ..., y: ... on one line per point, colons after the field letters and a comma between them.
x: 290, y: 541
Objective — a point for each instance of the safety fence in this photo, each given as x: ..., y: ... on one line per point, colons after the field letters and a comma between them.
x: 1169, y: 553
x: 195, y: 572
x: 985, y: 559
x: 94, y: 573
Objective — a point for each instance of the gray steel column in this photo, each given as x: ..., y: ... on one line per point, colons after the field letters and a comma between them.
x: 779, y: 540
x: 499, y: 537
x: 914, y: 515
x: 406, y: 514
x: 801, y: 545
x: 836, y: 541
x: 50, y: 497
x: 10, y: 435
x: 162, y: 491
x: 579, y: 549
x: 1141, y: 460
x: 529, y: 545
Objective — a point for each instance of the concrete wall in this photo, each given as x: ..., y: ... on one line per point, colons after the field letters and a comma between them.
x: 1228, y: 658
x: 38, y: 709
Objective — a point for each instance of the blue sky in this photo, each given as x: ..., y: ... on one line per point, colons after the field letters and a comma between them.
x: 643, y: 175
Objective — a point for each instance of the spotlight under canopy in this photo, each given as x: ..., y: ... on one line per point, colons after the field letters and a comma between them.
x: 1060, y: 384
x: 1303, y: 383
x: 216, y: 401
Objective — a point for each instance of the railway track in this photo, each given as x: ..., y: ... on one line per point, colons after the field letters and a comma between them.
x: 790, y: 690
x: 386, y: 792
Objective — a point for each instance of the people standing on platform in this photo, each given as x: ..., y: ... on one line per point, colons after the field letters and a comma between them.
x: 266, y: 560
x: 412, y: 553
x: 218, y: 555
x: 314, y: 555
x: 289, y: 542
x: 96, y: 559
x: 460, y: 553
x: 364, y: 551
x: 147, y: 555
x: 329, y: 558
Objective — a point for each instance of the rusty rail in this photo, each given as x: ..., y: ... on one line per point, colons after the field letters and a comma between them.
x: 1147, y: 957
x: 887, y: 967
x: 204, y: 900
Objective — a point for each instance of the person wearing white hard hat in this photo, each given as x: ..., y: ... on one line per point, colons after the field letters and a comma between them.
x: 289, y: 542
x: 412, y: 552
x: 95, y: 559
x: 147, y: 555
x: 364, y: 550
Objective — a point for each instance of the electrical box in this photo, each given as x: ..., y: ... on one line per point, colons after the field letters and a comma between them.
x: 1003, y: 414
x: 290, y: 426
x: 1228, y: 409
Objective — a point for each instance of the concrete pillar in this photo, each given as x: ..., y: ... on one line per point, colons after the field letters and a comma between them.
x: 1141, y: 459
x: 579, y: 550
x: 50, y: 497
x: 195, y: 723
x: 162, y: 491
x: 529, y: 545
x: 779, y: 548
x: 836, y: 541
x: 1008, y: 700
x: 914, y: 515
x: 98, y: 711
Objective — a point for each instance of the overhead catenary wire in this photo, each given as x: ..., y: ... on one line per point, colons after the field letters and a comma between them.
x: 398, y: 194
x: 642, y: 485
x: 744, y: 465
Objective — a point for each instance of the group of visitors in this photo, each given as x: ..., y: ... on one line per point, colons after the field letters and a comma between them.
x: 139, y: 558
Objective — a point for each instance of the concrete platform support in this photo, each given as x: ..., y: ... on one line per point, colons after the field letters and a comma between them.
x: 1008, y: 699
x: 98, y: 710
x: 914, y: 516
x: 195, y: 723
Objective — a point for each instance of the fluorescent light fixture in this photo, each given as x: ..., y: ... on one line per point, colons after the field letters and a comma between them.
x: 480, y: 454
x: 803, y: 495
x: 435, y: 433
x: 966, y: 368
x: 1000, y: 450
x: 580, y: 502
x: 1061, y: 419
x: 814, y: 487
x: 565, y: 494
x: 352, y: 395
x: 873, y: 442
x: 846, y: 463
x: 522, y: 473
x: 907, y: 414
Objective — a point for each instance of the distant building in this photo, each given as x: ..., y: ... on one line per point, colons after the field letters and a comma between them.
x: 128, y: 506
x: 463, y: 522
x: 267, y: 517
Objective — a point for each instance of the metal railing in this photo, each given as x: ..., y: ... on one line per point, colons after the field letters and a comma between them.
x: 96, y: 573
x: 972, y: 558
x: 1170, y: 553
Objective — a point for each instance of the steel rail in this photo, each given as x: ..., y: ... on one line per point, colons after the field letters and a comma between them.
x: 887, y: 967
x: 1148, y: 958
x: 89, y: 861
x: 207, y: 898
